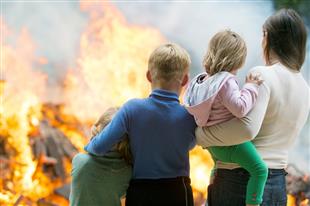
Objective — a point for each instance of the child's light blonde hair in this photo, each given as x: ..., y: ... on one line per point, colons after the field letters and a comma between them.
x: 226, y: 52
x: 123, y: 146
x: 169, y: 62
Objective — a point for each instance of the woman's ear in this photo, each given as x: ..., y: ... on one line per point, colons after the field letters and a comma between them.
x: 149, y: 76
x: 264, y: 40
x: 185, y: 80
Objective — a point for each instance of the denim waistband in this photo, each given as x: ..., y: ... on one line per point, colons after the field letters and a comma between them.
x: 276, y: 172
x: 161, y: 180
x: 244, y: 173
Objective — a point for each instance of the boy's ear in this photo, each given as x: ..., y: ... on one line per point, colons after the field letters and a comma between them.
x: 185, y: 80
x: 149, y: 76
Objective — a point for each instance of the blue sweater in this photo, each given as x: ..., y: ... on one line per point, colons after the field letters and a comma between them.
x: 161, y: 133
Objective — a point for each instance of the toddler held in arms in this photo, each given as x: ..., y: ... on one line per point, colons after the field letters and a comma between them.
x: 214, y: 97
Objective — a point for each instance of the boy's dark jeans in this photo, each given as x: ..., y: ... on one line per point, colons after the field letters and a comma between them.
x: 229, y: 188
x: 160, y: 192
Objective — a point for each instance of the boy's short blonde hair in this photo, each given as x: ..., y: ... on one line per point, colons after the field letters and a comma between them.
x: 226, y: 52
x: 123, y: 146
x: 169, y: 62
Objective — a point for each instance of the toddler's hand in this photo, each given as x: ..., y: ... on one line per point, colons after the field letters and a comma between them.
x: 254, y: 78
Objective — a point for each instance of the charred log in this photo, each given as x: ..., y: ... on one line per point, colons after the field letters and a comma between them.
x: 50, y: 148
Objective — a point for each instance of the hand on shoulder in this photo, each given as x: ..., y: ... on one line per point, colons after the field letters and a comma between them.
x: 254, y: 78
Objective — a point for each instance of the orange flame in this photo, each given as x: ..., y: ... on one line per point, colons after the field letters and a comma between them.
x: 291, y: 201
x: 22, y: 90
x: 110, y: 70
x: 201, y: 165
x: 112, y: 62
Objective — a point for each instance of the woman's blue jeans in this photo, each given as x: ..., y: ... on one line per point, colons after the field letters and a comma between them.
x: 229, y: 188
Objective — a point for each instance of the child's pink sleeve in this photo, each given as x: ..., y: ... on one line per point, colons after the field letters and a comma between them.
x: 238, y: 102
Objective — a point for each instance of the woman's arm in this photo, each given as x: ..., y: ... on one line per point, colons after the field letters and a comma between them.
x: 236, y: 131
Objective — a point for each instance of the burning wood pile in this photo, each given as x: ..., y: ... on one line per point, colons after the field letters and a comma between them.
x: 51, y: 151
x: 38, y: 140
x: 51, y: 140
x: 298, y: 187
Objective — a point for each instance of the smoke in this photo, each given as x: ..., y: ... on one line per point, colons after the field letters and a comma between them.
x: 56, y: 27
x: 193, y: 24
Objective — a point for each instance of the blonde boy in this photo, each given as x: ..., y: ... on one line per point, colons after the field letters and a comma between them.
x: 161, y: 133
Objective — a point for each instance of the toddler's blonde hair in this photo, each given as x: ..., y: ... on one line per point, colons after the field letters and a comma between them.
x: 226, y: 52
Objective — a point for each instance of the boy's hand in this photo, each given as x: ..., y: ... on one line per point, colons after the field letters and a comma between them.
x: 102, y: 122
x: 97, y: 127
x: 94, y: 131
x: 254, y: 79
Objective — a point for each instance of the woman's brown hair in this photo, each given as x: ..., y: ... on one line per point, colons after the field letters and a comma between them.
x: 286, y: 39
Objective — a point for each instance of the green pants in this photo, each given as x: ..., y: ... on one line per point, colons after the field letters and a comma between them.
x: 99, y: 181
x: 247, y: 157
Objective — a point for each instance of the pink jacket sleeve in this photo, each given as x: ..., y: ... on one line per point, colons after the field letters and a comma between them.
x: 238, y: 102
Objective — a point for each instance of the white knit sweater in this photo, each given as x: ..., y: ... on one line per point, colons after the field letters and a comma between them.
x: 275, y: 122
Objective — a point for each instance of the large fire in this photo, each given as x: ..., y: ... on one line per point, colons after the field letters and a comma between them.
x: 110, y: 70
x: 112, y: 62
x: 20, y: 112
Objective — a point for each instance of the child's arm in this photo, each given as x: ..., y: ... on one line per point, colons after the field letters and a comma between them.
x: 240, y: 101
x: 110, y: 135
x: 236, y: 131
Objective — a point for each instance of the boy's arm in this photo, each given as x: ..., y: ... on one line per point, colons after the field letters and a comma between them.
x: 238, y: 102
x: 110, y: 135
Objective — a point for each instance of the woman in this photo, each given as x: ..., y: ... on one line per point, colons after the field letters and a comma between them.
x: 278, y: 117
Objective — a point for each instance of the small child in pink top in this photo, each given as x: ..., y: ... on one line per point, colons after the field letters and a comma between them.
x: 215, y: 97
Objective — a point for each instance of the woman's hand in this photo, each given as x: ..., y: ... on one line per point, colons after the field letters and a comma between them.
x: 254, y: 79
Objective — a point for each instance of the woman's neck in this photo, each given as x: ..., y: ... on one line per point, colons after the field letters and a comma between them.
x: 272, y: 59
